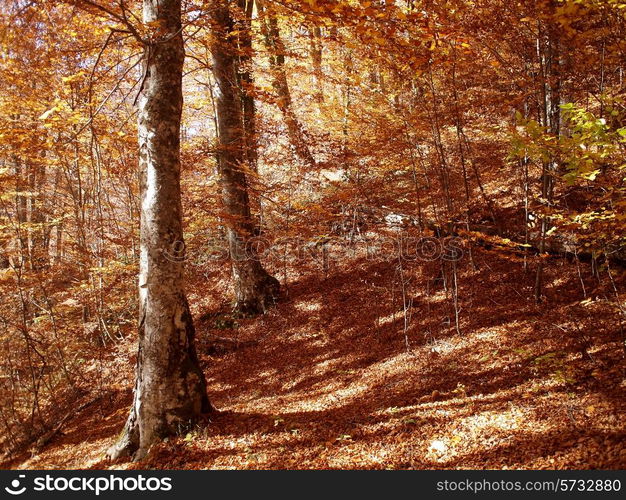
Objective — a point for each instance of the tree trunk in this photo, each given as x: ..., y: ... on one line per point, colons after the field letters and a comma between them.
x: 255, y: 289
x: 316, y: 59
x: 21, y: 209
x: 276, y: 48
x: 549, y: 60
x: 170, y: 388
x: 38, y: 232
x: 246, y: 83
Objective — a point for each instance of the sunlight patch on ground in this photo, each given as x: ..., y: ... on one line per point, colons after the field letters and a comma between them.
x: 486, y: 335
x: 391, y: 318
x: 443, y: 347
x: 512, y: 419
x: 308, y: 306
x: 435, y: 297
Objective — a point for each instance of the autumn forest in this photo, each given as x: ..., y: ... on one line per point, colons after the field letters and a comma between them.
x: 312, y: 234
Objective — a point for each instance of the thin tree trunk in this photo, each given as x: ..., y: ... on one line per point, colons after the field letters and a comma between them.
x: 21, y: 209
x: 246, y: 83
x: 276, y: 48
x: 170, y: 388
x: 316, y: 59
x: 38, y: 241
x: 549, y: 60
x: 255, y: 289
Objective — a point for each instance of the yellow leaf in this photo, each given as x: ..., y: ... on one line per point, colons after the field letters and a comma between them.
x: 47, y: 113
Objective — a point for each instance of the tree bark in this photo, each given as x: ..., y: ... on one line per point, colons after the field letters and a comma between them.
x: 276, y: 48
x: 255, y: 289
x: 549, y: 61
x: 38, y: 232
x: 246, y: 82
x: 316, y: 59
x: 170, y: 388
x: 21, y: 209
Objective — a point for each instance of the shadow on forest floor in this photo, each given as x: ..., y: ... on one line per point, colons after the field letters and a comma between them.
x: 332, y: 384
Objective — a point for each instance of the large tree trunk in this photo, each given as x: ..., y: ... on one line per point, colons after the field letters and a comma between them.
x: 170, y: 388
x: 255, y: 289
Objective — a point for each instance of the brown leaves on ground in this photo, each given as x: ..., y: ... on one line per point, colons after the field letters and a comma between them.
x: 329, y: 382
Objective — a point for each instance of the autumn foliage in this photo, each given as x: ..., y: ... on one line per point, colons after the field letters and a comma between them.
x: 438, y: 188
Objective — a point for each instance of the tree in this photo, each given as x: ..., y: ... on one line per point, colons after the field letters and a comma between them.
x: 276, y: 49
x: 170, y: 388
x: 246, y: 82
x: 255, y: 289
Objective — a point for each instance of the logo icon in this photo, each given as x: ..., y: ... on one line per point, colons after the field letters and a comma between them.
x: 15, y: 489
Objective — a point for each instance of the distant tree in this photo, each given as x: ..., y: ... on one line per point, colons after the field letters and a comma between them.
x: 255, y: 289
x: 276, y: 49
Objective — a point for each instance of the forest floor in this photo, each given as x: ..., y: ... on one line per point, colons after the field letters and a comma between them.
x: 331, y: 383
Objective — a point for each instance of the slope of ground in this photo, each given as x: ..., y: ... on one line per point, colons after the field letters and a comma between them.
x: 345, y: 376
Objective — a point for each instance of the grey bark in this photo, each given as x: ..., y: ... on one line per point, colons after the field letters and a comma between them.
x: 255, y: 289
x: 170, y: 388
